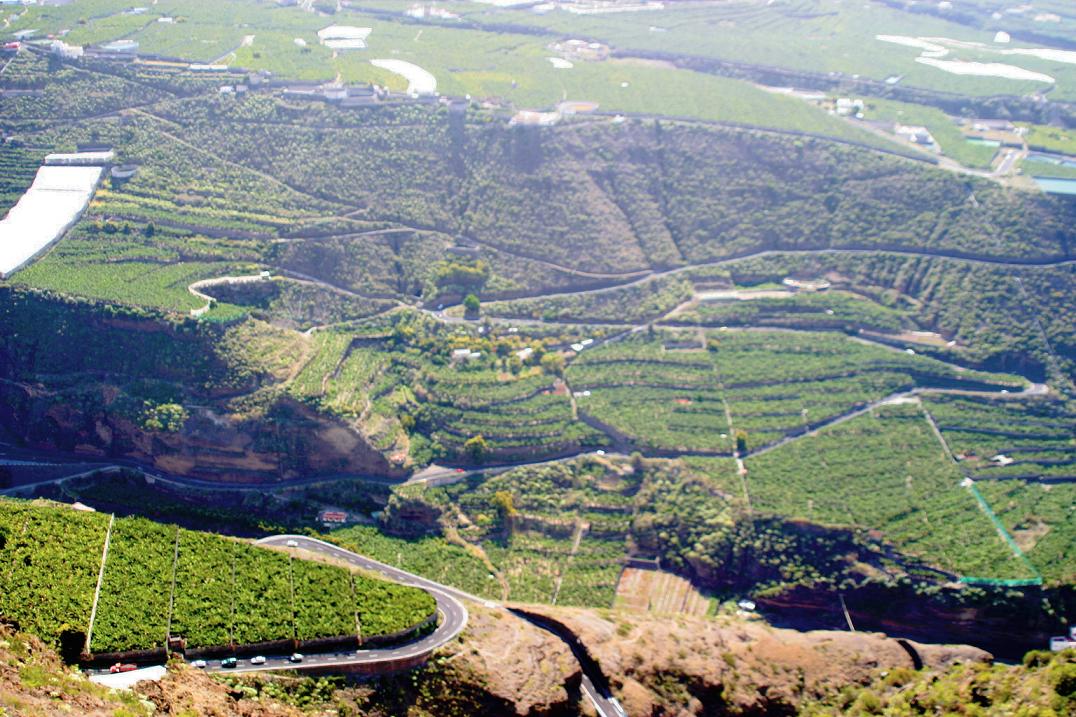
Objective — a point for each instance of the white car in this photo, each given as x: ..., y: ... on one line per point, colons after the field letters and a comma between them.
x: 200, y: 664
x: 292, y: 544
x: 259, y: 660
x: 295, y: 657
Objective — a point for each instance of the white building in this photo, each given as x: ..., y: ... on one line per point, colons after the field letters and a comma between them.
x: 847, y: 106
x: 461, y: 355
x: 68, y: 52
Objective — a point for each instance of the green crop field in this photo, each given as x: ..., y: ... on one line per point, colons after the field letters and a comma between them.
x: 49, y: 564
x: 1037, y: 437
x: 136, y: 592
x: 819, y: 36
x: 773, y: 383
x: 831, y: 310
x: 433, y: 558
x: 908, y: 490
x: 221, y: 591
x: 1042, y: 520
x: 942, y: 127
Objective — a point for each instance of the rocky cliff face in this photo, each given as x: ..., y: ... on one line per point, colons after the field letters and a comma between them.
x: 288, y: 441
x: 1008, y: 623
x: 81, y: 378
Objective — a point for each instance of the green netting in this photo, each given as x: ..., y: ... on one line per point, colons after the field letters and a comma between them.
x: 1011, y: 583
x: 1037, y: 580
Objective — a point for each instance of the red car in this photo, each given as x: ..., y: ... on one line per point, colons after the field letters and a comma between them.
x: 122, y: 667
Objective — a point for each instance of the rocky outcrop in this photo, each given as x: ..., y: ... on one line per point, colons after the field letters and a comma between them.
x: 288, y: 440
x: 680, y: 665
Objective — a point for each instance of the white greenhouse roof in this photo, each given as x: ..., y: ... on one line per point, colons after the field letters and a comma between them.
x: 344, y: 37
x: 79, y: 158
x: 419, y: 81
x: 49, y: 207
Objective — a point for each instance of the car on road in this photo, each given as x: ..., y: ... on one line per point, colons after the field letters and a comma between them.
x: 459, y: 470
x: 200, y: 664
x: 229, y: 662
x: 295, y: 657
x: 292, y: 544
x: 259, y: 660
x: 122, y: 667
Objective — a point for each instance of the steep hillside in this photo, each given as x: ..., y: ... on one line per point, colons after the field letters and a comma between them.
x: 505, y: 666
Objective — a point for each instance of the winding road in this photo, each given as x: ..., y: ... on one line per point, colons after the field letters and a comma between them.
x: 451, y: 611
x: 452, y: 616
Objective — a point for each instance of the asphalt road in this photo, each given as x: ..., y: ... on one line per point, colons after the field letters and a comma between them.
x: 451, y: 613
x: 453, y: 620
x: 450, y: 608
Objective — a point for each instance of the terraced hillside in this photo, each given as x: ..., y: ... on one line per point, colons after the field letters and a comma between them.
x: 707, y: 328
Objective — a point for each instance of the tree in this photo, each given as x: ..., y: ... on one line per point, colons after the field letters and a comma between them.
x: 168, y: 417
x: 477, y: 448
x: 741, y: 441
x: 471, y: 305
x: 553, y: 364
x: 506, y: 510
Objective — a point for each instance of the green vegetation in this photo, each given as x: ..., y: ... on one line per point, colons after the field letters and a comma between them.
x: 1036, y: 435
x: 1045, y: 684
x: 1037, y: 167
x: 1050, y: 139
x: 222, y: 592
x: 991, y: 314
x: 203, y: 610
x: 662, y: 396
x: 943, y: 128
x: 432, y: 557
x: 914, y: 496
x: 359, y: 224
x: 49, y: 562
x: 830, y: 310
x: 323, y: 601
x: 263, y: 589
x: 664, y: 400
x: 816, y: 36
x: 136, y: 592
x: 17, y: 169
x: 638, y: 302
x: 385, y: 608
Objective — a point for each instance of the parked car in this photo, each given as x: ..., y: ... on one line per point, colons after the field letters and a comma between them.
x: 200, y: 664
x: 295, y: 657
x: 229, y: 662
x: 122, y: 667
x: 292, y: 544
x: 259, y: 660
